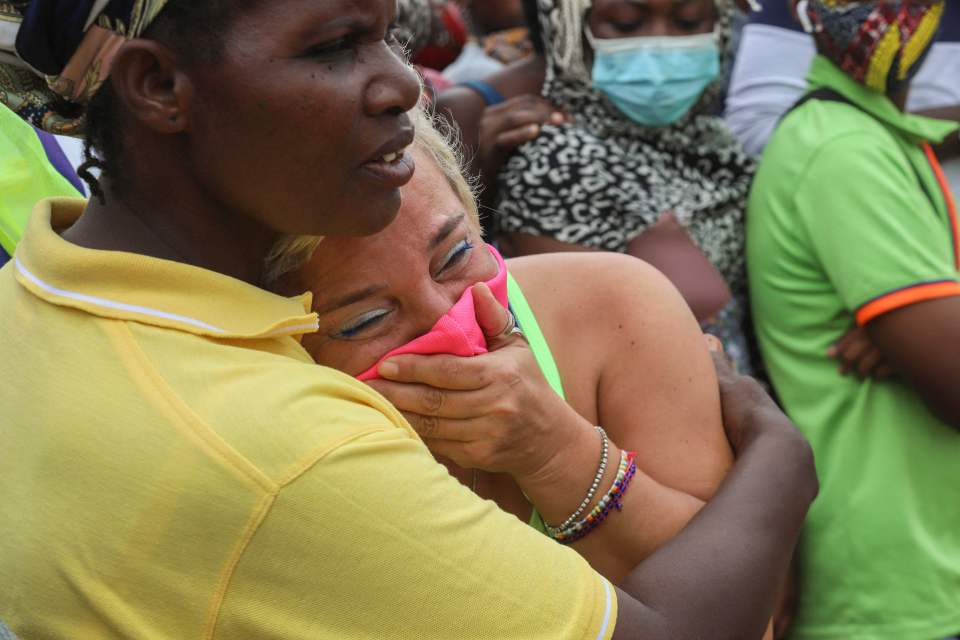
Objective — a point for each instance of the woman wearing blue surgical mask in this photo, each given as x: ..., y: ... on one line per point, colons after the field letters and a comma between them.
x: 644, y: 167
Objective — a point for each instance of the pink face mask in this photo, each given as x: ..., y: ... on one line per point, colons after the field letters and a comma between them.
x: 456, y: 332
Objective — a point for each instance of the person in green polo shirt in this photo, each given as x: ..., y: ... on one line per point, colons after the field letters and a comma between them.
x: 851, y: 224
x: 32, y: 167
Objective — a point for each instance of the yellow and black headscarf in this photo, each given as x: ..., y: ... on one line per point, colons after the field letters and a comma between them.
x: 55, y: 54
x: 880, y: 43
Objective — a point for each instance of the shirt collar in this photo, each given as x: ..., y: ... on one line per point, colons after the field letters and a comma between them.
x: 825, y: 73
x: 163, y: 293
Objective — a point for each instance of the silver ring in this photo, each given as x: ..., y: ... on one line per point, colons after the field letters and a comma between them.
x: 512, y: 328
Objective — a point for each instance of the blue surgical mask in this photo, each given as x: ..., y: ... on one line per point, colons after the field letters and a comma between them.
x: 655, y: 81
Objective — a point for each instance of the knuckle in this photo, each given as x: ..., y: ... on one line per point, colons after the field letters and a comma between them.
x: 432, y: 401
x: 511, y: 374
x: 451, y: 368
x: 427, y: 426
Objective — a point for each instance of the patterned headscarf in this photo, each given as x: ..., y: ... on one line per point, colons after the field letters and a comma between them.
x: 55, y: 54
x: 880, y: 43
x: 604, y: 179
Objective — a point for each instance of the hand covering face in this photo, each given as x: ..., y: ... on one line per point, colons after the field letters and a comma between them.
x: 55, y: 54
x: 880, y: 43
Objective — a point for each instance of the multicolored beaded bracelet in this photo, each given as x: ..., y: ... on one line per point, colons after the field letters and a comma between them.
x: 613, y: 499
x: 601, y: 471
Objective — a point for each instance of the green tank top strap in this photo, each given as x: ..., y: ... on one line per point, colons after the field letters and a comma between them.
x: 531, y: 329
x: 541, y: 351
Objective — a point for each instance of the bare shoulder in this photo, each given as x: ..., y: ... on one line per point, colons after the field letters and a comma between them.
x: 607, y: 285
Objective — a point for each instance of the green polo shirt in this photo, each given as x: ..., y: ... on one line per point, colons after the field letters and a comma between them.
x: 26, y: 177
x: 847, y: 221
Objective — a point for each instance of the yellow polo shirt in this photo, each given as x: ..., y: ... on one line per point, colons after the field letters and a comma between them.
x: 175, y: 466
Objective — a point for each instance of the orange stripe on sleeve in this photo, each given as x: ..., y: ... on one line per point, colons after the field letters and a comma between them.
x: 905, y: 297
x: 948, y: 197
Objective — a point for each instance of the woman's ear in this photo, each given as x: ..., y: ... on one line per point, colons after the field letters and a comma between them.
x: 154, y: 90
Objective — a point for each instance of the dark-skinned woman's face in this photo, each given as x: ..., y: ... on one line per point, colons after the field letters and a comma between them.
x: 297, y: 123
x: 645, y: 18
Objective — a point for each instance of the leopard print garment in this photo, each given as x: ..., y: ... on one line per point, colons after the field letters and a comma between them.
x: 603, y: 180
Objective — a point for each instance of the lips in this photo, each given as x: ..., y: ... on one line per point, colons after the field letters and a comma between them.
x: 392, y: 163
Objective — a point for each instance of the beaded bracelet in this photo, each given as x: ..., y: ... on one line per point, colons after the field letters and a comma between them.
x: 601, y: 470
x: 613, y: 499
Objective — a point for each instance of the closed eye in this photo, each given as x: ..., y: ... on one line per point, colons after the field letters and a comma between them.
x: 359, y: 325
x: 455, y: 256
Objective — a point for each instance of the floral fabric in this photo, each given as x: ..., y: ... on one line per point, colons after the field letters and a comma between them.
x: 55, y: 54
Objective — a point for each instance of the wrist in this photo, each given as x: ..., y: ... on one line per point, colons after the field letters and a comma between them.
x: 576, y: 479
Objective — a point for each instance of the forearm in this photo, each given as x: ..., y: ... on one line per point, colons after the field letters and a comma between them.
x: 921, y: 343
x: 720, y: 576
x: 651, y: 513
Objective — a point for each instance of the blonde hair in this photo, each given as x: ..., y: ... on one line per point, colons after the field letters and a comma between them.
x: 435, y: 138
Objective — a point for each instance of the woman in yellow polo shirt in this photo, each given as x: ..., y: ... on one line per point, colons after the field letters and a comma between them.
x: 174, y: 463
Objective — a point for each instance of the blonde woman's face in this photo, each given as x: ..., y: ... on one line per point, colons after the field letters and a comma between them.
x: 377, y: 293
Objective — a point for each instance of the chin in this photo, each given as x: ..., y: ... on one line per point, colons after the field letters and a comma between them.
x: 352, y: 217
x: 374, y: 217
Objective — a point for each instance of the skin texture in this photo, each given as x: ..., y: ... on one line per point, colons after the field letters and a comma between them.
x: 922, y: 343
x: 622, y: 356
x: 631, y: 19
x: 312, y: 86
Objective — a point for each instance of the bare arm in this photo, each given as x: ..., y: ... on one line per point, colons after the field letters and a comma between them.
x: 640, y: 368
x: 698, y: 584
x: 922, y: 342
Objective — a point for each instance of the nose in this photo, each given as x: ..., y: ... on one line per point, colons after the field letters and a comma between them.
x: 395, y: 86
x: 432, y: 303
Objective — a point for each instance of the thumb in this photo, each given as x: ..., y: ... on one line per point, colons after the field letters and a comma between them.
x: 491, y: 316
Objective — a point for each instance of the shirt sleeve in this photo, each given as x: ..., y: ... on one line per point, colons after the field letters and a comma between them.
x: 874, y: 227
x: 377, y: 540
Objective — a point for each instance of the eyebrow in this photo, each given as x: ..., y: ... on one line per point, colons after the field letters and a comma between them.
x: 353, y: 297
x: 444, y: 232
x: 350, y: 298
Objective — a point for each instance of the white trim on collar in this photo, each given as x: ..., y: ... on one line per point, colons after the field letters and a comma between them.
x: 111, y: 304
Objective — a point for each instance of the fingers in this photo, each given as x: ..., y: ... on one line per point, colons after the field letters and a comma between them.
x: 726, y: 374
x: 868, y: 363
x: 713, y: 343
x: 491, y: 316
x: 441, y: 371
x: 431, y: 401
x: 857, y: 354
x: 440, y: 429
x: 516, y: 137
x: 519, y: 120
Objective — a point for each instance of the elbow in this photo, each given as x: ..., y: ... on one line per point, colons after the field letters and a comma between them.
x: 810, y: 481
x: 806, y: 482
x: 946, y: 409
x: 800, y: 465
